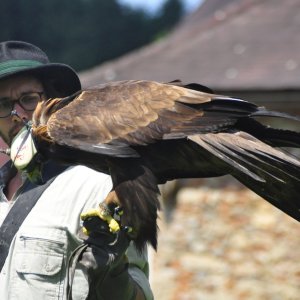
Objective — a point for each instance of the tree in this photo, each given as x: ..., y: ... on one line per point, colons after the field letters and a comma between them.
x: 83, y: 33
x: 172, y: 12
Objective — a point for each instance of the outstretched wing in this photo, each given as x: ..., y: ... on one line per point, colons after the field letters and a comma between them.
x: 112, y: 117
x: 122, y: 114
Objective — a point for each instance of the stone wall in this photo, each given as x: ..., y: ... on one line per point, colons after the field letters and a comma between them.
x: 226, y: 244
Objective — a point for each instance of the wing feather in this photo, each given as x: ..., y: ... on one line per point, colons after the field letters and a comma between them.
x: 135, y: 112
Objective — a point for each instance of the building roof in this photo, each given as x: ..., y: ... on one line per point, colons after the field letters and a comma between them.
x: 225, y: 44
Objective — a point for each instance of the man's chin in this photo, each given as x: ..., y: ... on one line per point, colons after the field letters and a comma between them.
x: 4, y: 139
x: 13, y: 133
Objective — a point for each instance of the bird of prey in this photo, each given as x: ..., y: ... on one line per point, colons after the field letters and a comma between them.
x: 144, y: 133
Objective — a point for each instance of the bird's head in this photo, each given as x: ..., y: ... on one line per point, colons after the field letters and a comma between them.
x: 44, y: 110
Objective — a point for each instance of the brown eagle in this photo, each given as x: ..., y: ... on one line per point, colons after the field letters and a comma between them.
x: 144, y: 133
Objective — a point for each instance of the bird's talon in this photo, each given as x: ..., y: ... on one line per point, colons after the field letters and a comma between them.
x: 85, y: 231
x: 128, y: 229
x: 113, y: 226
x: 104, y: 211
x: 104, y: 214
x: 119, y: 210
x: 90, y: 213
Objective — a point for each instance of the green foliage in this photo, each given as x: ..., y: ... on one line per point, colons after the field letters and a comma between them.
x: 172, y: 12
x: 83, y: 33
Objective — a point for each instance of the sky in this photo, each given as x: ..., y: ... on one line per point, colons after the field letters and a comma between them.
x: 153, y: 5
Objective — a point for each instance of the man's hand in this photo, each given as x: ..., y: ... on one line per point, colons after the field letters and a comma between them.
x: 106, y: 250
x: 105, y: 263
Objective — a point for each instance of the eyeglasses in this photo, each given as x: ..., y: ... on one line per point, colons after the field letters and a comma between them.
x: 27, y: 101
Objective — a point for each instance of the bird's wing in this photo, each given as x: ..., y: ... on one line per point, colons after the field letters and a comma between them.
x: 268, y: 171
x: 117, y: 115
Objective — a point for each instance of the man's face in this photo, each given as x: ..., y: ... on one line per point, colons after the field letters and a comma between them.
x: 13, y: 88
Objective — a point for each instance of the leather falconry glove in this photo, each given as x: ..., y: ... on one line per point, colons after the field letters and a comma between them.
x: 105, y: 263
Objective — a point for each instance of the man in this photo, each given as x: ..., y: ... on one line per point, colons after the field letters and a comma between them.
x: 36, y: 265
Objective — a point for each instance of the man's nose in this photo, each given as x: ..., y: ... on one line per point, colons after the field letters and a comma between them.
x: 20, y: 113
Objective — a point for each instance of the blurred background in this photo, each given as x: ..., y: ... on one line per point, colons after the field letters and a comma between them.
x: 217, y: 239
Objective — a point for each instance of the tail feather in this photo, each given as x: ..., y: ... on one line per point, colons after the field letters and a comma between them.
x: 272, y: 136
x: 226, y: 155
x: 269, y: 172
x: 262, y: 112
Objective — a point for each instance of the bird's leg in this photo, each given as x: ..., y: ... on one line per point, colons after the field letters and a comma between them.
x: 105, y: 212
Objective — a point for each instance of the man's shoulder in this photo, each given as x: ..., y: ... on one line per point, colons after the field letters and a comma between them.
x: 82, y: 172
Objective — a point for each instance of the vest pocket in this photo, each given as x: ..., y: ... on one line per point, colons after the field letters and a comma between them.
x: 48, y: 264
x: 39, y: 263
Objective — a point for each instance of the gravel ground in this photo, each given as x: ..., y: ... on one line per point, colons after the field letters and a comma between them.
x: 226, y: 244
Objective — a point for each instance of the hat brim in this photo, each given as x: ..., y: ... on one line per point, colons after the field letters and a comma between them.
x: 63, y: 78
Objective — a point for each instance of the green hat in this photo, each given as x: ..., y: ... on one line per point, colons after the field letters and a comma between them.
x: 18, y: 57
